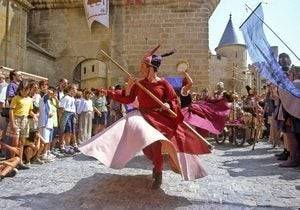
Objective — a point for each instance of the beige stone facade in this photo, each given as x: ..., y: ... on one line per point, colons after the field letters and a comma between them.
x: 59, y: 27
x: 13, y: 29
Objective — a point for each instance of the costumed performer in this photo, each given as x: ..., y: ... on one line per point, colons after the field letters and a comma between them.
x: 150, y: 128
x: 208, y: 116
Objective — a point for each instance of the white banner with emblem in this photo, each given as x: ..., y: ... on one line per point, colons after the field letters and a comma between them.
x: 97, y: 10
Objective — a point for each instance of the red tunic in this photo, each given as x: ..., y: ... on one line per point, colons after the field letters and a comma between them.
x: 174, y: 129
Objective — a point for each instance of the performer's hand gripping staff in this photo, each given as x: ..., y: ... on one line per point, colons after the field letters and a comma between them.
x: 163, y: 105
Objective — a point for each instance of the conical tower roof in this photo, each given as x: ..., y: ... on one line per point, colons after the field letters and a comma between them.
x: 229, y: 36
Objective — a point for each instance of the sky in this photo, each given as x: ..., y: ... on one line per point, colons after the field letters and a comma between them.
x: 282, y: 16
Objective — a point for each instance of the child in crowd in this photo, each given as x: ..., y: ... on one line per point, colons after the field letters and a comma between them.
x: 78, y: 99
x: 18, y: 128
x: 45, y: 124
x: 100, y: 118
x: 67, y: 127
x: 33, y: 148
x: 85, y: 110
x: 53, y: 109
x: 8, y: 167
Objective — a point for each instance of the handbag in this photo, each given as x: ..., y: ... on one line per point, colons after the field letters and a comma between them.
x: 5, y: 112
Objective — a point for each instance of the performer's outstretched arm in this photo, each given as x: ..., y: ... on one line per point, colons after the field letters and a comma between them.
x: 188, y: 86
x: 121, y: 96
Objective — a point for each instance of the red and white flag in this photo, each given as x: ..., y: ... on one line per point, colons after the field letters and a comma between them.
x: 97, y: 10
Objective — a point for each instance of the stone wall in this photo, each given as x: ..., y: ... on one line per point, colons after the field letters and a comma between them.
x: 2, y: 21
x: 40, y: 62
x: 14, y: 45
x: 176, y: 24
x: 63, y: 31
x: 65, y: 34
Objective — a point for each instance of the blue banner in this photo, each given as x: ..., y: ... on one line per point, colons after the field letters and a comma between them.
x: 176, y: 82
x: 261, y: 53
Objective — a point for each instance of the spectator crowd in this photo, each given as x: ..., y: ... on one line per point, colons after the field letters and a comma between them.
x: 40, y: 123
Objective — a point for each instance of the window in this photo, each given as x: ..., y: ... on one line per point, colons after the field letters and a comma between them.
x: 93, y: 68
x: 84, y: 70
x: 236, y: 54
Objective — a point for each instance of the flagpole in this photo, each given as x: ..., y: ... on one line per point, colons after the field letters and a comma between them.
x: 253, y: 12
x: 157, y: 99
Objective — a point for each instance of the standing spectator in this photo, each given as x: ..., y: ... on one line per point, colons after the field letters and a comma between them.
x: 60, y: 95
x: 117, y: 110
x: 18, y: 128
x: 109, y: 100
x: 34, y: 93
x: 61, y: 87
x: 53, y: 109
x: 15, y: 79
x: 67, y: 127
x: 78, y: 99
x: 85, y: 110
x: 46, y: 124
x: 100, y: 119
x: 291, y: 126
x: 3, y: 87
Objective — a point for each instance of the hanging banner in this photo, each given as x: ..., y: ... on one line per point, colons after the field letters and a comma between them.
x: 97, y: 10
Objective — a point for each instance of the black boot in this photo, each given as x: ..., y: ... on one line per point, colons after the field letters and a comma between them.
x: 157, y: 180
x: 284, y: 156
x: 280, y: 154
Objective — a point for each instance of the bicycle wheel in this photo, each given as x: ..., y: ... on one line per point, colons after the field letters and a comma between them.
x: 220, y: 139
x: 240, y: 136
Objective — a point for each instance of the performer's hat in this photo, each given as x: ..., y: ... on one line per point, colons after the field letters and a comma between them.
x: 155, y: 60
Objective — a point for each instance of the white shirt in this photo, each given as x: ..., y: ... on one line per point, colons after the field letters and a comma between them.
x: 3, y: 88
x: 60, y: 95
x: 36, y: 100
x: 85, y: 106
x: 44, y: 119
x: 68, y: 104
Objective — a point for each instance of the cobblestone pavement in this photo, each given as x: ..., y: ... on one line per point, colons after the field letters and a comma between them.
x: 238, y: 179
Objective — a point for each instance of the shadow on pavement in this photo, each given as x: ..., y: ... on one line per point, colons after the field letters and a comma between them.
x: 109, y: 191
x: 258, y: 166
x: 250, y: 152
x: 82, y: 157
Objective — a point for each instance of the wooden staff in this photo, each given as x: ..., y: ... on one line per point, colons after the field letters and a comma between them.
x: 156, y: 99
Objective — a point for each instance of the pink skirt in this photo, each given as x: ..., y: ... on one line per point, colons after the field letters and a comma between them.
x: 123, y: 140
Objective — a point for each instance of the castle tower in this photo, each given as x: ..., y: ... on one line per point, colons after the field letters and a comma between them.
x: 236, y: 55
